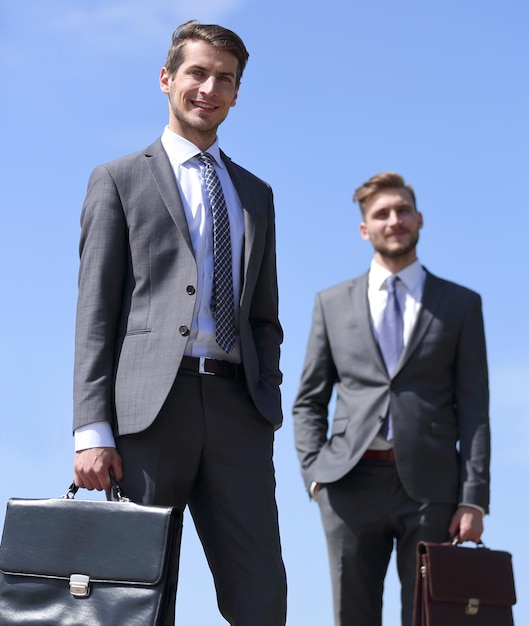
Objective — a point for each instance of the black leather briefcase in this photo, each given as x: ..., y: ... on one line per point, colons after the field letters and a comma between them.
x: 459, y: 586
x: 67, y: 562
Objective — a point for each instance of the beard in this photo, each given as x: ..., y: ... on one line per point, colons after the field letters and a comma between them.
x: 401, y: 251
x: 186, y: 120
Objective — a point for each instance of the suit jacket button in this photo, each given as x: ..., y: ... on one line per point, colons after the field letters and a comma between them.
x: 190, y: 290
x: 184, y: 331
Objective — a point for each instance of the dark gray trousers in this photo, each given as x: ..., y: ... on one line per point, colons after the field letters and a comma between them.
x: 211, y: 450
x: 364, y: 515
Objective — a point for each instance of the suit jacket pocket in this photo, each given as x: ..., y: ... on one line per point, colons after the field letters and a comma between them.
x: 339, y: 425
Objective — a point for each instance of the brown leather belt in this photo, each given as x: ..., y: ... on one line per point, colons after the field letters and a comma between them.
x: 378, y: 455
x: 204, y: 365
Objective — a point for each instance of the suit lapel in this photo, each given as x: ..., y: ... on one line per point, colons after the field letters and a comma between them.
x: 248, y: 202
x: 254, y: 220
x: 359, y: 310
x: 431, y: 298
x: 163, y: 174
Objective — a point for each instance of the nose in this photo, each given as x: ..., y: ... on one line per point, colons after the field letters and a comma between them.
x: 209, y: 85
x: 394, y: 217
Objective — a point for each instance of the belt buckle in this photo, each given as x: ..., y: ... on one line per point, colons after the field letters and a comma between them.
x: 202, y: 366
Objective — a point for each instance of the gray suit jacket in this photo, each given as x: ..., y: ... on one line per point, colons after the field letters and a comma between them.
x: 438, y: 393
x: 137, y: 292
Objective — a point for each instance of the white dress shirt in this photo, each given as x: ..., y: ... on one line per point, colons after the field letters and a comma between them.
x: 409, y: 290
x: 189, y: 175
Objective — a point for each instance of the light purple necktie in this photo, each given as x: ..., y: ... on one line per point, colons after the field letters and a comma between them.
x: 390, y: 341
x: 222, y: 301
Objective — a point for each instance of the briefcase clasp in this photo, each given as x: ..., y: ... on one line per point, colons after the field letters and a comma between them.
x: 472, y: 607
x: 79, y: 585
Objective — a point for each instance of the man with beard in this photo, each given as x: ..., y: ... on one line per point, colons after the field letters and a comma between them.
x: 407, y: 457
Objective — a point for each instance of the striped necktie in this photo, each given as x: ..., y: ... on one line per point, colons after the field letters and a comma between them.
x: 222, y: 300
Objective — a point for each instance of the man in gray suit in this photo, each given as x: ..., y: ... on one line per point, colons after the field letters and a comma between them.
x: 177, y: 413
x: 407, y: 457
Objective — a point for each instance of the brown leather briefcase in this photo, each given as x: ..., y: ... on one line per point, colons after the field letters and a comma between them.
x: 457, y: 586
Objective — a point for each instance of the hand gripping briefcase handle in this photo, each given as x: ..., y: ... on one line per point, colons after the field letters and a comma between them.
x: 65, y: 561
x: 115, y: 490
x: 463, y: 586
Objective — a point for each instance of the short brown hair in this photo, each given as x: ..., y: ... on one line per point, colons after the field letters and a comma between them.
x: 379, y: 182
x: 216, y: 36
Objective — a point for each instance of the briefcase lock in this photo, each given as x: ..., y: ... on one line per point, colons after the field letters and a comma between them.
x: 472, y: 607
x: 79, y: 585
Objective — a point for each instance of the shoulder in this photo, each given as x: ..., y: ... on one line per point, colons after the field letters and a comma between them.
x: 453, y: 289
x: 456, y: 299
x: 127, y: 160
x: 244, y: 176
x: 343, y: 289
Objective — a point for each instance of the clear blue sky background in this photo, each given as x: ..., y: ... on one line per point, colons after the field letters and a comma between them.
x: 333, y: 93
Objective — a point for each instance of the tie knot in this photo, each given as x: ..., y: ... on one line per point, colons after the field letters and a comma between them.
x: 391, y: 283
x: 206, y: 158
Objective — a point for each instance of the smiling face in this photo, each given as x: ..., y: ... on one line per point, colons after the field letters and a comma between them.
x: 201, y: 92
x: 392, y: 224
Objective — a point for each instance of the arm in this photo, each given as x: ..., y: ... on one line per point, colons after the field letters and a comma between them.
x: 261, y: 332
x: 264, y: 310
x: 101, y: 276
x: 311, y: 405
x: 472, y: 409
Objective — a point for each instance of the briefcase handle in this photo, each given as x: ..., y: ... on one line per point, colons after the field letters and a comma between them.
x: 456, y: 542
x: 117, y: 494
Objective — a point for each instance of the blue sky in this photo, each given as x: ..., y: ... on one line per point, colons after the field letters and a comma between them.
x: 333, y: 93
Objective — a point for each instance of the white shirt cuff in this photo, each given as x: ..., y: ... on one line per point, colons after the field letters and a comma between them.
x: 94, y: 435
x: 313, y: 490
x: 473, y: 506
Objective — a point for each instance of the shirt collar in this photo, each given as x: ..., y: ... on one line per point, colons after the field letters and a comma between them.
x: 181, y: 150
x: 410, y: 275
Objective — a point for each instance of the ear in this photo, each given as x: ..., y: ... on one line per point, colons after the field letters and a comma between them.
x: 420, y: 220
x: 364, y: 233
x: 164, y: 80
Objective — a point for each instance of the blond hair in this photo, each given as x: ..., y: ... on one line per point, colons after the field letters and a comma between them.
x: 380, y: 182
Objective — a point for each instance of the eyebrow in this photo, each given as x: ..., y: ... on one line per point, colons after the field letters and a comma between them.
x: 402, y: 205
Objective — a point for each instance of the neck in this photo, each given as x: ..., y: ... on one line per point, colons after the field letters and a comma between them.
x: 395, y: 264
x: 202, y: 140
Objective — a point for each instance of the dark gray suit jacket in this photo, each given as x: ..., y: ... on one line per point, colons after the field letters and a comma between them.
x: 438, y: 393
x: 137, y: 292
